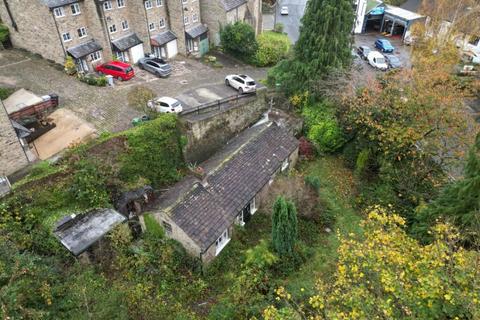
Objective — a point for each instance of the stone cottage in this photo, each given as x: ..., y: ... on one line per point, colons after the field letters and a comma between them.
x: 200, y: 212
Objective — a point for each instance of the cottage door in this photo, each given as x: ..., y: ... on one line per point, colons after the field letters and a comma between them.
x: 247, y: 214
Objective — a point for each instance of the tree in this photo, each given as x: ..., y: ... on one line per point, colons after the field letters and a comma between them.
x: 272, y: 47
x: 458, y: 203
x: 284, y: 227
x: 239, y: 40
x: 382, y: 273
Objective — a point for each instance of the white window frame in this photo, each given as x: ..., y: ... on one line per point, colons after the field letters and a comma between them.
x: 151, y: 26
x: 59, y: 12
x: 161, y: 23
x: 285, y: 164
x: 95, y: 56
x: 195, y: 18
x: 222, y: 241
x: 107, y: 5
x: 148, y: 4
x: 69, y: 37
x: 159, y: 3
x: 83, y: 32
x: 125, y: 23
x: 253, y: 206
x: 121, y: 3
x: 112, y: 26
x: 185, y: 20
x: 184, y: 1
x: 75, y: 7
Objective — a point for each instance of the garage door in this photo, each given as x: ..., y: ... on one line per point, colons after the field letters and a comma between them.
x: 172, y: 49
x: 137, y: 52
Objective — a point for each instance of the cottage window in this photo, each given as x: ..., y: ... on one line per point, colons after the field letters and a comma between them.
x: 167, y: 226
x: 75, y: 9
x: 120, y: 3
x: 159, y: 3
x: 195, y: 18
x: 222, y: 242
x: 184, y: 1
x: 112, y: 28
x: 185, y: 20
x: 253, y: 206
x: 58, y: 12
x: 162, y: 23
x: 95, y: 56
x: 66, y: 37
x: 151, y: 26
x: 148, y: 4
x: 125, y: 25
x: 285, y: 165
x: 107, y: 5
x: 82, y: 32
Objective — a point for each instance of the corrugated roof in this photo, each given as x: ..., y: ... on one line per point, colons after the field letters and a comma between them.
x: 196, y: 31
x: 402, y: 13
x: 84, y: 49
x: 163, y: 38
x: 233, y: 177
x: 58, y: 3
x: 126, y: 42
x: 232, y: 4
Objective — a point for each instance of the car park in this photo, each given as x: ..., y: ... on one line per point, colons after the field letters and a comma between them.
x: 284, y: 11
x: 393, y: 61
x: 157, y: 66
x: 241, y: 82
x: 363, y: 52
x: 377, y: 60
x: 165, y: 105
x: 384, y: 45
x: 117, y: 69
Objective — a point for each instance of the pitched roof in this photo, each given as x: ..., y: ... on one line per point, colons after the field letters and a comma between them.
x: 196, y: 31
x: 232, y: 4
x: 402, y: 13
x: 233, y: 177
x: 163, y: 38
x: 126, y: 42
x: 58, y: 3
x: 84, y: 49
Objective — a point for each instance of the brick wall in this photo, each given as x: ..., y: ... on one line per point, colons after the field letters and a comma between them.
x: 12, y: 157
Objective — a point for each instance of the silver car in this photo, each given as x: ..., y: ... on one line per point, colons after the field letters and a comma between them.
x: 156, y: 66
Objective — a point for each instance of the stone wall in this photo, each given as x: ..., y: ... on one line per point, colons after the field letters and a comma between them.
x: 12, y: 156
x: 175, y: 9
x: 214, y: 16
x: 208, y: 133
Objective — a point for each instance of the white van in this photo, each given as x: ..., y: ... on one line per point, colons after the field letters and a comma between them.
x: 377, y: 60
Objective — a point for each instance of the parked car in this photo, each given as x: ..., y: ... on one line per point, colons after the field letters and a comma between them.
x: 118, y: 69
x: 165, y: 105
x: 157, y: 66
x: 384, y: 45
x: 284, y: 11
x: 363, y: 52
x: 377, y: 60
x: 241, y: 82
x: 393, y: 61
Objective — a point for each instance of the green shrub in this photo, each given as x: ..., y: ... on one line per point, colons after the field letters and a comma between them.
x: 239, y: 40
x: 5, y: 93
x: 272, y: 47
x: 94, y: 81
x: 153, y: 227
x: 278, y: 27
x: 4, y: 32
x: 69, y: 66
x: 101, y: 81
x: 88, y: 186
x: 361, y: 165
x: 313, y: 182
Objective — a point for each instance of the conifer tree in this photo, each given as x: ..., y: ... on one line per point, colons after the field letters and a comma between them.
x: 284, y: 227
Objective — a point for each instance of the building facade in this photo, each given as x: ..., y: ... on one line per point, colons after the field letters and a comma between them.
x: 96, y: 31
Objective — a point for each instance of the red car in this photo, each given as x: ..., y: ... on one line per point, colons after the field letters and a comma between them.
x: 120, y: 70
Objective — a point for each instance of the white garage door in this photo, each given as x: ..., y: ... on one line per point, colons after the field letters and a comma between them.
x: 137, y: 52
x: 172, y: 49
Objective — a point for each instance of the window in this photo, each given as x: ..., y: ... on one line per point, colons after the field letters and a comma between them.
x: 113, y: 28
x: 66, y: 37
x: 185, y: 20
x: 151, y: 26
x: 285, y: 165
x: 58, y: 12
x: 159, y: 3
x: 184, y: 1
x: 120, y: 3
x: 253, y: 206
x: 82, y: 32
x: 167, y: 226
x: 75, y: 9
x: 95, y: 56
x: 125, y: 25
x: 148, y: 4
x: 221, y: 242
x: 195, y: 18
x: 162, y: 23
x: 107, y: 5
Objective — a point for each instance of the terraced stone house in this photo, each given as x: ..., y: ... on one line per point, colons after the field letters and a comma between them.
x: 94, y: 31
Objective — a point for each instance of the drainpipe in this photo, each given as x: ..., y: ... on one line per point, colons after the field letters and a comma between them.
x: 103, y: 19
x: 183, y: 24
x: 59, y: 35
x: 7, y: 6
x: 148, y: 27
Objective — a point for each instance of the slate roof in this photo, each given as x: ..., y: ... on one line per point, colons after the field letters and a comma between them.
x: 84, y: 49
x: 126, y: 42
x: 203, y: 210
x: 163, y: 38
x: 232, y: 4
x: 58, y: 3
x: 196, y: 31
